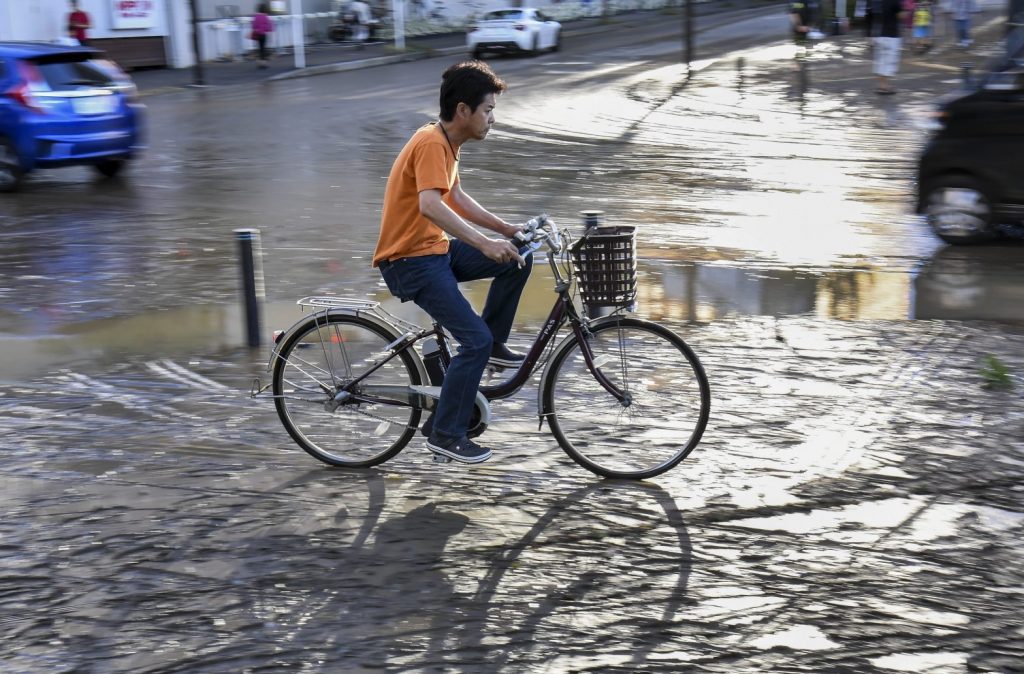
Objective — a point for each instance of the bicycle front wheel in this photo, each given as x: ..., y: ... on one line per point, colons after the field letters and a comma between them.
x: 321, y: 359
x: 660, y: 421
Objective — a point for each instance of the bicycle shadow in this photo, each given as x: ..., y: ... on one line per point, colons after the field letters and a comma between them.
x: 592, y: 582
x: 397, y: 590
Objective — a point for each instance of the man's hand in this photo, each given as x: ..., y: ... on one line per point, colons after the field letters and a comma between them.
x: 501, y: 251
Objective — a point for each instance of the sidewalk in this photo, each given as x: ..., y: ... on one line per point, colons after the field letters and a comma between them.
x: 328, y: 57
x: 845, y: 64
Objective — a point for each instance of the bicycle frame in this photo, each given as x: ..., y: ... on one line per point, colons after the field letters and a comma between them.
x: 562, y: 311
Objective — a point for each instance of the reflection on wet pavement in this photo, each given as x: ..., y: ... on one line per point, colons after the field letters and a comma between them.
x: 958, y: 283
x: 854, y: 504
x: 159, y: 520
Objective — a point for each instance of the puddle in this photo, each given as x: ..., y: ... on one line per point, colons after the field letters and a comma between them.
x: 669, y: 289
x: 798, y: 637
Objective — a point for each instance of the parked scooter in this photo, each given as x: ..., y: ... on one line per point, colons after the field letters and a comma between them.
x: 355, y: 23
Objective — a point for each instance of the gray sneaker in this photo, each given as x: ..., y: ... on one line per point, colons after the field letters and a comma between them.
x: 463, y: 450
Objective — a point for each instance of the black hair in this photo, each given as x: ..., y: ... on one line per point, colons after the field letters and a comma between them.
x: 468, y: 82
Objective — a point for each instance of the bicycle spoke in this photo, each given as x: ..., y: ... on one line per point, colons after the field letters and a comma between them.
x: 355, y: 432
x: 662, y: 417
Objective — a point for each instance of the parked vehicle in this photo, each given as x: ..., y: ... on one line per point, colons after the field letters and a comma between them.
x: 516, y: 29
x: 354, y: 23
x: 64, y: 106
x: 971, y: 173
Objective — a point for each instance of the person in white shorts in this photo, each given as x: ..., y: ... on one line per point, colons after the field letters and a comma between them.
x: 888, y: 45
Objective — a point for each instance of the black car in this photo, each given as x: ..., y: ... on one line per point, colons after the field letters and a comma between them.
x: 971, y: 174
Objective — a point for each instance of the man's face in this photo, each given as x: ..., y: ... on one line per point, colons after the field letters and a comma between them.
x: 480, y: 121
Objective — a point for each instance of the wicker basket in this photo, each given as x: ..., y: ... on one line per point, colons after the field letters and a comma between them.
x: 605, y: 264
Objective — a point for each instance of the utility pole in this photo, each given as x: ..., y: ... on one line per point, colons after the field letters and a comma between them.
x: 298, y: 34
x: 197, y: 77
x: 688, y: 35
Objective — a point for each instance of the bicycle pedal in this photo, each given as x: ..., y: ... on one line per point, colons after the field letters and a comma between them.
x: 441, y: 458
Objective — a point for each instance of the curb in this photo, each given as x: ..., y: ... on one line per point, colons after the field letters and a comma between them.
x: 345, y: 66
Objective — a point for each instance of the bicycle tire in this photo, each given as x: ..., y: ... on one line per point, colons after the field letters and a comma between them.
x: 668, y: 409
x: 312, y: 363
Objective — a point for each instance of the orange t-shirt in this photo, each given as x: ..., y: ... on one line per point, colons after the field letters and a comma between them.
x: 425, y: 163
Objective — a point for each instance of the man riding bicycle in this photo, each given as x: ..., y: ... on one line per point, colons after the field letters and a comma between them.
x: 424, y: 203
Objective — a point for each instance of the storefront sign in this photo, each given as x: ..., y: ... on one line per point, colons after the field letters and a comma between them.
x: 133, y: 13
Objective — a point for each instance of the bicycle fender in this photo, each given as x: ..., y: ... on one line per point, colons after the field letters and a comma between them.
x: 368, y: 316
x: 567, y: 343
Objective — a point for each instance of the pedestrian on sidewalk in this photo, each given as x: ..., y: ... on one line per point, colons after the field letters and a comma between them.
x: 800, y: 22
x: 78, y: 24
x: 962, y: 11
x: 888, y: 45
x: 262, y: 26
x: 923, y: 26
x: 908, y: 16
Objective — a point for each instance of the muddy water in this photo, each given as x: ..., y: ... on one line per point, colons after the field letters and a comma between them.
x: 159, y: 521
x: 852, y: 507
x: 969, y: 283
x: 748, y: 200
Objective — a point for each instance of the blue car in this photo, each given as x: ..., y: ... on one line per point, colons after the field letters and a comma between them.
x: 64, y: 106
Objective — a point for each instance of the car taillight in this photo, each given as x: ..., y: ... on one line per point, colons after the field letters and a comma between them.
x: 520, y: 26
x: 23, y: 90
x: 22, y: 94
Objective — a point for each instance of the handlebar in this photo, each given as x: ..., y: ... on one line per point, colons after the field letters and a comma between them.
x: 538, y: 231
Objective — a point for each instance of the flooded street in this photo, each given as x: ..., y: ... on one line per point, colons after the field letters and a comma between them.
x: 855, y: 504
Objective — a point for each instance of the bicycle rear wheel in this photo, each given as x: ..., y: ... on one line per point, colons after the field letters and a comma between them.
x: 318, y: 361
x: 663, y: 417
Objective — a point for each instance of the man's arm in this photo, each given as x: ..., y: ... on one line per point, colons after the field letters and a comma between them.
x: 433, y: 207
x: 468, y: 208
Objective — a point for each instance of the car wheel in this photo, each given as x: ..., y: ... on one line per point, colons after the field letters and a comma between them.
x: 558, y: 41
x: 110, y: 167
x: 959, y: 210
x: 10, y: 168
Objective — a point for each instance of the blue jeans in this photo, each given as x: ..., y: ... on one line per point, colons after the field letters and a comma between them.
x: 431, y: 281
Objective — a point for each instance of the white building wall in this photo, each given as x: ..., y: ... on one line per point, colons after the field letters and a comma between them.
x: 32, y: 19
x: 46, y: 20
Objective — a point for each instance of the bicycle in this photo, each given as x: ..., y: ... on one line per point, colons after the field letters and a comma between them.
x: 623, y: 396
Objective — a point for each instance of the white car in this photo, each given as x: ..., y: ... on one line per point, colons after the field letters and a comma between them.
x: 515, y: 29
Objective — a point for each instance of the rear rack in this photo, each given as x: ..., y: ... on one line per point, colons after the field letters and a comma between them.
x: 326, y: 303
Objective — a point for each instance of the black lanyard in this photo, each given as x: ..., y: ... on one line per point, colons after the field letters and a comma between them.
x: 452, y: 147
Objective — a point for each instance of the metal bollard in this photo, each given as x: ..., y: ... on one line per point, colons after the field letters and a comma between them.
x: 966, y: 67
x: 591, y: 218
x: 250, y: 258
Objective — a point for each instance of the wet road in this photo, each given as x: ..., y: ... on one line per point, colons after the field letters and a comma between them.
x: 855, y: 504
x: 752, y: 199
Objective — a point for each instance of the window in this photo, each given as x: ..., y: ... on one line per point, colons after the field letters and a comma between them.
x: 74, y: 74
x: 504, y: 15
